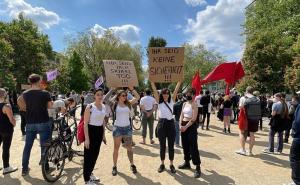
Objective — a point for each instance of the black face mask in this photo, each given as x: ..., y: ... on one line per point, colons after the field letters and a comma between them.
x: 189, y: 98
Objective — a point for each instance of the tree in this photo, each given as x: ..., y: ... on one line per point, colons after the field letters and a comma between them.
x: 78, y: 80
x: 93, y: 50
x: 271, y: 29
x: 30, y: 47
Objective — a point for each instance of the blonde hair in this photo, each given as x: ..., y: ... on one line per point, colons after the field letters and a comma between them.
x: 227, y: 97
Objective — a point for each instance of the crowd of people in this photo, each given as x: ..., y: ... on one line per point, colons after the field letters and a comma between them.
x: 179, y: 115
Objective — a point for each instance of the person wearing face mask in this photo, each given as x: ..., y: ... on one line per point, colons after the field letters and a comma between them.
x: 206, y: 101
x: 189, y: 136
x: 292, y: 108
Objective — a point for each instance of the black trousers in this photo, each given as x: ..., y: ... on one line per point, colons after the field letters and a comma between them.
x: 91, y: 154
x: 295, y: 161
x: 6, y: 139
x: 189, y: 140
x: 23, y: 122
x: 166, y: 130
x: 206, y: 116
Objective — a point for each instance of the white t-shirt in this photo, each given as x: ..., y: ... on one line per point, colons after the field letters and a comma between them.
x: 243, y: 99
x: 187, y: 110
x: 164, y: 112
x: 97, y: 116
x: 122, y: 116
x: 198, y: 99
x: 148, y: 102
x: 56, y: 104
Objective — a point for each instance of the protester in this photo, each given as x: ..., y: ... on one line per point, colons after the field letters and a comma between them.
x: 148, y: 105
x: 295, y: 147
x: 166, y: 126
x: 200, y: 108
x: 189, y: 135
x: 36, y: 102
x: 7, y: 124
x: 177, y: 112
x: 94, y: 123
x: 235, y: 105
x: 122, y: 113
x: 251, y: 105
x: 23, y: 120
x: 227, y: 105
x: 292, y: 108
x: 269, y: 105
x: 262, y: 106
x: 278, y: 123
x: 206, y: 102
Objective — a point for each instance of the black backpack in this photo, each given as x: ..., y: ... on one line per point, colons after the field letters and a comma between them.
x: 253, y: 108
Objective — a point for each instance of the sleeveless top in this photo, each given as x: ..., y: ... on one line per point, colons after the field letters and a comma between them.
x: 5, y: 125
x: 97, y: 116
x: 122, y: 116
x: 187, y: 110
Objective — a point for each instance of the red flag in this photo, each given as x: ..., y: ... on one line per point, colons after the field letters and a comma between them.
x: 239, y: 71
x: 227, y: 90
x: 196, y: 83
x: 221, y: 72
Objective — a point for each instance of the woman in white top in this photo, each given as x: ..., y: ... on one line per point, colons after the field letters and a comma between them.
x: 94, y: 123
x: 166, y: 125
x: 189, y: 135
x: 122, y: 112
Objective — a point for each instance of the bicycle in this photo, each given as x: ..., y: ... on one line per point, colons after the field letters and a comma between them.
x: 60, y: 147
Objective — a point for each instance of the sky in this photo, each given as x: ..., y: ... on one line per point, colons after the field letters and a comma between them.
x: 215, y: 23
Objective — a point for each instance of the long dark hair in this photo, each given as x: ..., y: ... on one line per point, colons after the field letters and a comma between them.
x: 163, y: 91
x: 126, y: 102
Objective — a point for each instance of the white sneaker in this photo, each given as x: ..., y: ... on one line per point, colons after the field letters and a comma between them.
x: 241, y: 152
x: 9, y: 170
x: 94, y: 178
x: 90, y: 183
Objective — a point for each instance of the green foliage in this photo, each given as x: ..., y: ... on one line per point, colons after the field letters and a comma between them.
x: 271, y: 29
x: 93, y: 50
x: 157, y: 42
x: 78, y: 80
x: 30, y: 48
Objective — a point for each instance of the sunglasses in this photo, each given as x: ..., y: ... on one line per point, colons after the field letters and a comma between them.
x: 166, y: 93
x: 124, y: 95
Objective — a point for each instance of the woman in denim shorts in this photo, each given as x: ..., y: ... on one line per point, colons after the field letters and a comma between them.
x: 122, y: 130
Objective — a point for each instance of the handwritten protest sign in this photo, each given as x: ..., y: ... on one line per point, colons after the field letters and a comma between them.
x: 120, y: 73
x: 166, y: 64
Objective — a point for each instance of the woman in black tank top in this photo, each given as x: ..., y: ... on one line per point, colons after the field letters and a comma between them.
x: 7, y: 123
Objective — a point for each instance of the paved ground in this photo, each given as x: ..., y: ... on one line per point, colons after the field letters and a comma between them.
x: 220, y: 165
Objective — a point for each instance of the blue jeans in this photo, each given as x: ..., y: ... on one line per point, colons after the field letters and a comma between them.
x: 279, y: 140
x: 44, y: 130
x: 177, y: 138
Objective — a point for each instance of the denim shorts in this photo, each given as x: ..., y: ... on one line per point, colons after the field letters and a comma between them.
x: 122, y: 131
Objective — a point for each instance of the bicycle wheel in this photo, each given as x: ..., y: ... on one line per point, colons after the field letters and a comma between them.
x: 109, y: 126
x: 53, y: 162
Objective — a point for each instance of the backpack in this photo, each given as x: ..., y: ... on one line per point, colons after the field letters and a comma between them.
x: 80, y: 129
x: 253, y: 108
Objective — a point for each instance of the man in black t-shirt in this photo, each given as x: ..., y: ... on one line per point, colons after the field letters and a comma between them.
x: 36, y: 102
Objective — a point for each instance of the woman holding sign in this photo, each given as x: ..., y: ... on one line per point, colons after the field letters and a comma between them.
x: 122, y: 112
x: 166, y: 126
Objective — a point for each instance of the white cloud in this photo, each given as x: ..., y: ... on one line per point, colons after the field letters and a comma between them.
x: 219, y: 27
x: 44, y: 18
x: 127, y: 33
x: 195, y: 2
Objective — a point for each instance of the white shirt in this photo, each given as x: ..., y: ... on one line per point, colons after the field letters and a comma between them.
x: 164, y: 112
x: 97, y: 116
x: 197, y: 100
x: 243, y: 99
x: 187, y: 110
x: 148, y: 102
x: 122, y: 116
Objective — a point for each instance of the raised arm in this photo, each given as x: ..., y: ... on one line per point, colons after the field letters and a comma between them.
x: 155, y: 92
x: 136, y: 96
x: 176, y: 91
